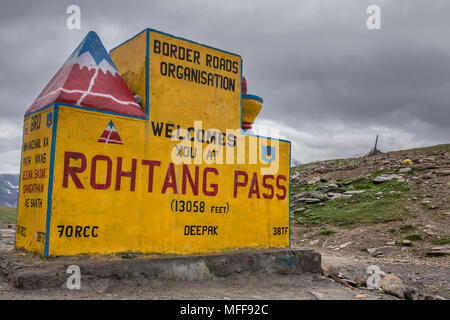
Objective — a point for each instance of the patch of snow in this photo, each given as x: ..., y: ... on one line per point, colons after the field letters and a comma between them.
x: 11, y: 185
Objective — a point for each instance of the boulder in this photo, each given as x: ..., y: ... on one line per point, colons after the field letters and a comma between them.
x: 350, y: 283
x: 311, y: 194
x: 443, y: 173
x: 394, y: 286
x: 354, y: 192
x: 327, y: 271
x: 388, y: 177
x: 308, y: 200
x: 382, y: 251
x: 360, y: 281
x: 332, y: 187
x: 406, y: 243
x: 298, y: 210
x: 374, y: 252
x: 333, y: 195
x: 439, y: 251
x: 342, y: 246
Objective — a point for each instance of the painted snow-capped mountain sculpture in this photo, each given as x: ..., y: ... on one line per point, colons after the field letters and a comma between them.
x: 89, y: 79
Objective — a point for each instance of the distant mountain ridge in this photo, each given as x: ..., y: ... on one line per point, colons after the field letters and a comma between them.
x: 9, y: 190
x: 295, y: 162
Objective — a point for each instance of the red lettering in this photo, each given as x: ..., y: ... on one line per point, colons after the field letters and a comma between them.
x: 187, y: 176
x: 151, y: 164
x: 169, y: 181
x: 268, y: 186
x: 281, y: 187
x: 130, y: 174
x: 254, y: 186
x: 73, y: 171
x: 214, y: 186
x: 107, y: 184
x: 237, y: 184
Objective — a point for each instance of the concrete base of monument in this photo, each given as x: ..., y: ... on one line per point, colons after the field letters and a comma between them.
x: 27, y: 271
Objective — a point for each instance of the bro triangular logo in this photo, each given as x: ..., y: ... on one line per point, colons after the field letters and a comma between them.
x: 110, y: 135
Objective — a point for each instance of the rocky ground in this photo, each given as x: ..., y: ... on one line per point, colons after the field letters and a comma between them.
x: 391, y: 210
x: 388, y: 213
x: 247, y: 286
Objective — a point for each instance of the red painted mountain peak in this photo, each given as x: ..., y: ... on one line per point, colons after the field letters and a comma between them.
x: 89, y: 79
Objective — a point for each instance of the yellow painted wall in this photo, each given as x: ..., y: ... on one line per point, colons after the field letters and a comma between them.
x: 91, y: 213
x: 144, y: 221
x: 132, y: 66
x: 185, y: 100
x: 34, y: 181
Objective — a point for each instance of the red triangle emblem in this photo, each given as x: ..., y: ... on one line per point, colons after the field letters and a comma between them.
x: 110, y: 135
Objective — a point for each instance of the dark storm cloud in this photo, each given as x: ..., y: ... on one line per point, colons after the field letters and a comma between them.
x: 328, y: 82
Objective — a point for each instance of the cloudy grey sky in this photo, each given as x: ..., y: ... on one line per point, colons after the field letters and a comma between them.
x: 328, y: 82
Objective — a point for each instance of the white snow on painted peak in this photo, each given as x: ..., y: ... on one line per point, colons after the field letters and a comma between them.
x: 86, y: 60
x: 111, y: 128
x: 11, y: 185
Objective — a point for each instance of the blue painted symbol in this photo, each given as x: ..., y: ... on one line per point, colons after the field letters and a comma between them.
x: 268, y: 153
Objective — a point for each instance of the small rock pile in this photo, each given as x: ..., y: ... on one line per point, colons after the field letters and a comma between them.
x: 390, y: 284
x: 322, y: 193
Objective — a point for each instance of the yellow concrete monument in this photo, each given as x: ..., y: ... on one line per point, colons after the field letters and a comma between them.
x: 144, y: 150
